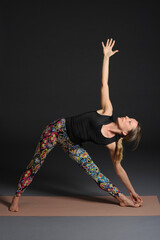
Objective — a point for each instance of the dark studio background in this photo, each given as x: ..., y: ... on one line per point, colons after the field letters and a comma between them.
x: 51, y: 60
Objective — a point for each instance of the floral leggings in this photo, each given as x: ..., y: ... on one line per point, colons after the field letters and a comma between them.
x: 53, y: 134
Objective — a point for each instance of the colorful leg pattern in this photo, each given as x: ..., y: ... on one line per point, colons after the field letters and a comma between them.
x: 48, y: 140
x: 80, y: 155
x: 53, y: 134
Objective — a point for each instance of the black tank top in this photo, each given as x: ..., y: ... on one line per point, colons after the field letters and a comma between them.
x: 87, y: 127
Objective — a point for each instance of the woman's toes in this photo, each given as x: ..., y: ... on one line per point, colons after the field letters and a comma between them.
x: 122, y: 204
x: 138, y: 204
x: 13, y: 208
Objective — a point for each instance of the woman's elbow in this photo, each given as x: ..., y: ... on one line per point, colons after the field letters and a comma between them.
x: 118, y: 168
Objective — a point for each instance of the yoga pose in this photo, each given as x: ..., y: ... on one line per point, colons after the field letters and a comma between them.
x: 96, y: 126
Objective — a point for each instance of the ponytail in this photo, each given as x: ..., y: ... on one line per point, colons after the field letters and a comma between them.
x: 119, y: 150
x: 133, y: 135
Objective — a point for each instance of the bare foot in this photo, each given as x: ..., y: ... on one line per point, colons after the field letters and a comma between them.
x: 14, y: 205
x: 126, y: 202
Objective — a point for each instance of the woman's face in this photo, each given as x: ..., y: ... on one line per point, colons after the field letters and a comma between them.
x: 126, y: 124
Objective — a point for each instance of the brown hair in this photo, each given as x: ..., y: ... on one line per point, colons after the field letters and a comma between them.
x: 133, y: 135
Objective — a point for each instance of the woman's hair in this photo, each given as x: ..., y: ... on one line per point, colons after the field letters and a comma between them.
x: 133, y: 135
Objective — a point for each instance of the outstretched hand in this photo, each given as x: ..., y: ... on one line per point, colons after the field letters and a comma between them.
x: 107, y: 50
x: 136, y: 198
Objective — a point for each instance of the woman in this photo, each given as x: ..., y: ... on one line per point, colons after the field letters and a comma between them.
x: 96, y: 126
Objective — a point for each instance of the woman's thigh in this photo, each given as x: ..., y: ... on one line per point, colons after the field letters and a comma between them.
x: 78, y: 154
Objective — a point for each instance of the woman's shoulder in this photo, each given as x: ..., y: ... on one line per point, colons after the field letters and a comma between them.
x: 111, y: 146
x: 104, y: 113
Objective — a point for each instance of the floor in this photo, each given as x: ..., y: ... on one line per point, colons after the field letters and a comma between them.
x: 145, y: 179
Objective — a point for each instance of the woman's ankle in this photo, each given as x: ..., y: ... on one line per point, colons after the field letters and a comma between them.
x: 120, y: 197
x: 16, y: 197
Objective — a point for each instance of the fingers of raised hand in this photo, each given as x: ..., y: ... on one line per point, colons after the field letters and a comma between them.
x: 103, y: 44
x: 116, y: 51
x: 107, y: 43
x: 110, y: 42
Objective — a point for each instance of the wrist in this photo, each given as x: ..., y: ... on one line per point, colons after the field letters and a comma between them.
x: 131, y: 191
x: 106, y: 57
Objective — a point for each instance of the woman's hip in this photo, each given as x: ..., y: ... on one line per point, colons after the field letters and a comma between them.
x: 56, y: 131
x: 63, y: 138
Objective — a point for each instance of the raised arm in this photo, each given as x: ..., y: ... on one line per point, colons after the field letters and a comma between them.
x: 105, y: 99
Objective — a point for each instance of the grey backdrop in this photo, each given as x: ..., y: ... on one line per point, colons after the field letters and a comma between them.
x: 51, y: 59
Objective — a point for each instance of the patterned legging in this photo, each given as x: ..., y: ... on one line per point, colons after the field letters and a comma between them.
x: 53, y: 134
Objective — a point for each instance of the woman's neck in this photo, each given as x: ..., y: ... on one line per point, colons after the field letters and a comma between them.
x: 113, y: 128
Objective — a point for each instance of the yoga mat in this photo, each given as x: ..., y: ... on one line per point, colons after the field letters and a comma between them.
x: 77, y: 206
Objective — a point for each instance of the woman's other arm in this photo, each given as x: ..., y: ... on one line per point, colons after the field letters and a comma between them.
x: 121, y: 173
